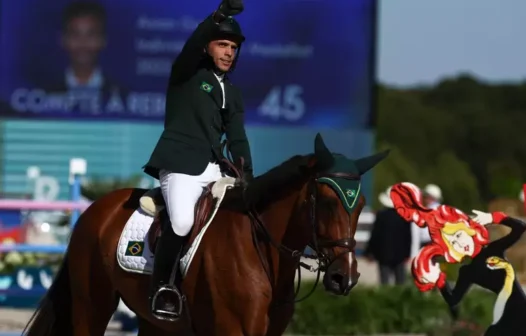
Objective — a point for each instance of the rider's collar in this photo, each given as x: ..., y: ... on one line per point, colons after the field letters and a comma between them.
x: 220, y: 76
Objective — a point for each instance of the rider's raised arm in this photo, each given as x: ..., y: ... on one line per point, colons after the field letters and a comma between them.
x: 237, y: 136
x: 455, y: 295
x: 190, y: 57
x: 517, y: 229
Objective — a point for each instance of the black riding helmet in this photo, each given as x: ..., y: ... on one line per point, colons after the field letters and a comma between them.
x: 229, y: 29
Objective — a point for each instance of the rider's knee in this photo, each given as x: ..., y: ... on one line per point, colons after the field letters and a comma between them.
x: 182, y: 222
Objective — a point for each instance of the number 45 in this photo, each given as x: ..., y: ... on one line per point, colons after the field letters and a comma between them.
x: 284, y: 102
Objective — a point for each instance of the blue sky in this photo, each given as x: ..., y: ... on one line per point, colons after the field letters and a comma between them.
x: 421, y: 41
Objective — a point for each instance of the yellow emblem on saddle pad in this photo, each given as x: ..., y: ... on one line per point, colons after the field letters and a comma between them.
x: 135, y: 248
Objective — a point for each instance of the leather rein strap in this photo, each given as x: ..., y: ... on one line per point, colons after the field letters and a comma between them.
x: 228, y: 161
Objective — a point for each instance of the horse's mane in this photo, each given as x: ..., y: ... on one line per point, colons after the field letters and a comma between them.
x: 278, y: 182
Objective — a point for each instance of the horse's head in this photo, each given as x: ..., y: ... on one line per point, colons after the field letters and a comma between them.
x: 335, y: 200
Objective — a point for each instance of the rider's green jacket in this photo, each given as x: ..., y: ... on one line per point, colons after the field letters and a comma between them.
x: 194, y: 119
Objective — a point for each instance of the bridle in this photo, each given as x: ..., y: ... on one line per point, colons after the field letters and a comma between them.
x: 324, y: 260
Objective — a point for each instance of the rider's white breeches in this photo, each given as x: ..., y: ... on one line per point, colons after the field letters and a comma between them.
x: 181, y: 193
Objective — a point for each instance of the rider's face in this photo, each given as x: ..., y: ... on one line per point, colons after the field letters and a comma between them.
x: 83, y: 40
x: 223, y: 52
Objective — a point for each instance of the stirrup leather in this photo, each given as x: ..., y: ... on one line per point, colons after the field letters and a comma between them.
x: 163, y: 314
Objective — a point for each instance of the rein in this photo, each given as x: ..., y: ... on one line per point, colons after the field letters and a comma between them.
x: 229, y: 161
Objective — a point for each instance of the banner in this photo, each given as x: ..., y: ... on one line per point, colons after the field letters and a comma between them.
x: 304, y: 63
x: 24, y: 287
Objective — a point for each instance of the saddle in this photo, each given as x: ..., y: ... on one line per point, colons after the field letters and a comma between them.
x: 152, y: 203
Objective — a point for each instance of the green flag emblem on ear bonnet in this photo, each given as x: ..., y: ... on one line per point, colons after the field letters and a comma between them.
x: 347, y: 188
x: 348, y: 191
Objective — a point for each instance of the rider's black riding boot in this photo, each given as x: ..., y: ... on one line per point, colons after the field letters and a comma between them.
x: 165, y: 298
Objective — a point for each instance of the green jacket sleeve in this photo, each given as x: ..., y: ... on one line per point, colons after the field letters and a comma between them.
x: 237, y: 137
x: 188, y: 60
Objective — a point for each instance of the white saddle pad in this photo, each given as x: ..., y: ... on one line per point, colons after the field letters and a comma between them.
x: 133, y: 252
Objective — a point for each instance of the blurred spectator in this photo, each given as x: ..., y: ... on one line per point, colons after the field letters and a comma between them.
x: 431, y: 198
x: 390, y: 242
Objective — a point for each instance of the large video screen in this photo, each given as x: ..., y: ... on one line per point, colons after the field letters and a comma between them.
x: 304, y: 63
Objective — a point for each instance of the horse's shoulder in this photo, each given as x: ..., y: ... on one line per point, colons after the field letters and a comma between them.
x: 234, y: 201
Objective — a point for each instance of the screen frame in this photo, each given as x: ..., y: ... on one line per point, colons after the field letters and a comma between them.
x: 373, y: 84
x: 373, y: 66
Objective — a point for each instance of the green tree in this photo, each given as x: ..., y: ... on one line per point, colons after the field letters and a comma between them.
x: 421, y: 132
x: 463, y: 134
x: 505, y: 178
x: 397, y: 169
x: 456, y: 180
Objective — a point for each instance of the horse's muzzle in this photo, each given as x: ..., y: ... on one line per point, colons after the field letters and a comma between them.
x: 339, y: 278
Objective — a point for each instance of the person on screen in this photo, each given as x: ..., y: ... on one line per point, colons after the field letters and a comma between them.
x: 83, y: 38
x: 201, y: 105
x: 84, y: 87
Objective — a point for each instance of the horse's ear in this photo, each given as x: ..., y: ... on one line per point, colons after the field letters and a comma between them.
x: 366, y: 163
x: 324, y: 158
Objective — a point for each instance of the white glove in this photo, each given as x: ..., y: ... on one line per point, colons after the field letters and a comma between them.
x: 483, y: 218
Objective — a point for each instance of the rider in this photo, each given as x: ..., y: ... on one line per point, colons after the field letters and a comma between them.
x: 201, y: 105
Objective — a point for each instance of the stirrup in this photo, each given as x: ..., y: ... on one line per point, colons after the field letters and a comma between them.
x: 163, y: 314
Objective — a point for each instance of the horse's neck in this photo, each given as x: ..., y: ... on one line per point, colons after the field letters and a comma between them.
x: 284, y: 224
x: 290, y: 231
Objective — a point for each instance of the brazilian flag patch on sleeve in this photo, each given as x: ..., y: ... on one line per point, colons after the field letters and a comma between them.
x: 206, y: 87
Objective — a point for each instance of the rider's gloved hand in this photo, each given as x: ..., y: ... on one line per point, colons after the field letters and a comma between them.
x: 231, y: 7
x: 243, y: 182
x: 248, y: 176
x: 228, y: 8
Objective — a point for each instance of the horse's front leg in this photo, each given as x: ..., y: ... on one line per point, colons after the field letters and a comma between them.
x: 223, y: 305
x: 279, y: 319
x: 235, y: 316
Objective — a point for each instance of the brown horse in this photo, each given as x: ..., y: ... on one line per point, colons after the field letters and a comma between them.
x: 241, y: 279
